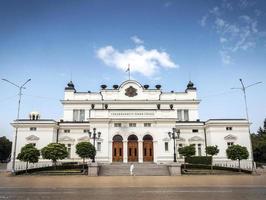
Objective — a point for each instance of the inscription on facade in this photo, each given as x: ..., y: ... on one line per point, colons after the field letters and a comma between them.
x: 132, y: 114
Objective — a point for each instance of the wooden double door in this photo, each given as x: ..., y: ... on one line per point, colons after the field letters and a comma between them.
x: 147, y: 150
x: 117, y: 151
x: 132, y: 151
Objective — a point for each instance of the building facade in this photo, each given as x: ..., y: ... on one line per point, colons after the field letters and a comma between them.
x: 134, y: 121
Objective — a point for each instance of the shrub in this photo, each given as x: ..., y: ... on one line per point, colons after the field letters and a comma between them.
x: 204, y: 160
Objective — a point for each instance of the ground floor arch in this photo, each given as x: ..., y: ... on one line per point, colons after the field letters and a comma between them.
x: 132, y: 148
x: 117, y: 148
x: 148, y: 154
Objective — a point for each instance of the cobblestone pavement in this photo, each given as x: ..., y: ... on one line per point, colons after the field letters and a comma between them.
x: 108, y: 188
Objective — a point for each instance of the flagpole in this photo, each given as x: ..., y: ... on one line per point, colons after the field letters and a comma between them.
x: 128, y: 70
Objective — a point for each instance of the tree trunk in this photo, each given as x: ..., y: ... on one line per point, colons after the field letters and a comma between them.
x: 211, y: 166
x: 83, y: 164
x: 54, y: 161
x: 27, y: 167
x: 184, y: 163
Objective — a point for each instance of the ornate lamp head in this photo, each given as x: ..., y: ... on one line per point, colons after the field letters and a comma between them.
x: 170, y: 135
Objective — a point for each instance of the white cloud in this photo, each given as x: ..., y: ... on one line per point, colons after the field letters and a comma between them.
x: 215, y: 11
x: 141, y: 60
x: 167, y: 4
x: 226, y: 59
x: 203, y: 20
x: 137, y: 40
x: 223, y: 40
x: 237, y: 32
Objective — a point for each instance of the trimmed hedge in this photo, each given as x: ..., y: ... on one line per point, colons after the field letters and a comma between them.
x: 50, y: 168
x: 203, y: 160
x: 191, y: 166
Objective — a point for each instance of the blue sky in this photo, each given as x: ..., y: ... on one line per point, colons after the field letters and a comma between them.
x: 213, y: 43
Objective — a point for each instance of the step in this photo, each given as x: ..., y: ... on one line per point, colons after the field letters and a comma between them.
x: 122, y: 169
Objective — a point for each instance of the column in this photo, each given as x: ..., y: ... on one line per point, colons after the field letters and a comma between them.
x: 156, y: 151
x: 140, y: 150
x: 110, y: 151
x: 125, y: 151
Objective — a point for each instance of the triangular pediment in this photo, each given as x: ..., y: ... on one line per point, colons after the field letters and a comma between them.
x: 196, y: 138
x: 66, y: 138
x: 181, y: 139
x: 32, y: 137
x: 84, y: 138
x: 166, y: 139
x: 230, y: 137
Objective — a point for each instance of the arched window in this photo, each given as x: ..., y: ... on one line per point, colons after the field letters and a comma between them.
x: 147, y: 137
x: 117, y: 138
x: 132, y: 137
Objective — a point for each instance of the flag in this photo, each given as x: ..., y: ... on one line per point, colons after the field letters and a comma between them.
x: 128, y: 68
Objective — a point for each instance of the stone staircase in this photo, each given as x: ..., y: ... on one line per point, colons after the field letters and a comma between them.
x: 140, y: 169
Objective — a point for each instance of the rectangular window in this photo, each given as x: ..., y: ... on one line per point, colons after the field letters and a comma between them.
x: 229, y: 128
x: 86, y: 130
x: 179, y: 146
x: 199, y: 149
x: 132, y: 124
x: 147, y: 124
x: 230, y: 144
x: 117, y: 125
x: 166, y: 146
x: 66, y: 131
x: 99, y: 146
x: 33, y: 128
x: 34, y: 144
x: 179, y: 115
x: 195, y: 130
x: 79, y: 115
x: 186, y: 118
x: 69, y: 150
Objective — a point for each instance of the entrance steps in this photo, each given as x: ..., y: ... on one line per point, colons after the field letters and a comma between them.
x: 140, y: 169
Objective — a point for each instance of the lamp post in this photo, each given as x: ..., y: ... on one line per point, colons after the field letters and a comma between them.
x: 18, y: 112
x: 174, y: 135
x: 94, y: 136
x: 244, y: 88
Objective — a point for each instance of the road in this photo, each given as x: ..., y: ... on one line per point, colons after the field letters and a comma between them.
x: 238, y: 187
x: 180, y: 193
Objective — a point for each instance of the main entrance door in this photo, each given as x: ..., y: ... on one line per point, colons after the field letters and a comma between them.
x: 132, y: 146
x: 147, y: 148
x: 117, y: 148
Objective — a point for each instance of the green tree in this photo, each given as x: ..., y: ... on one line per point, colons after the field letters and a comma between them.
x: 187, y: 151
x: 5, y: 148
x: 85, y: 150
x: 237, y: 152
x: 259, y: 144
x: 54, y: 152
x: 212, y: 150
x: 29, y: 154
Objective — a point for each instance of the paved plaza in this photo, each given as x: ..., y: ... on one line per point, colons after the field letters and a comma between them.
x: 126, y: 187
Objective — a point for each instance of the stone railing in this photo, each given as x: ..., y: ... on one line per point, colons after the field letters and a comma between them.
x: 244, y: 164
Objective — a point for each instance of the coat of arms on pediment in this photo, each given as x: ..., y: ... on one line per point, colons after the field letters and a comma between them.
x: 131, y: 92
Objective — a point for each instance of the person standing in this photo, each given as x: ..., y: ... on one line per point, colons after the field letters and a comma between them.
x: 131, y: 169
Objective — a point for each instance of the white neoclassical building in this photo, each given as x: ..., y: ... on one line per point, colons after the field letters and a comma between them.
x: 134, y: 121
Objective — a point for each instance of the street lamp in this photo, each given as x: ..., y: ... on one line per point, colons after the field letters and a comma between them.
x: 94, y: 136
x: 243, y: 88
x: 18, y: 112
x: 174, y: 135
